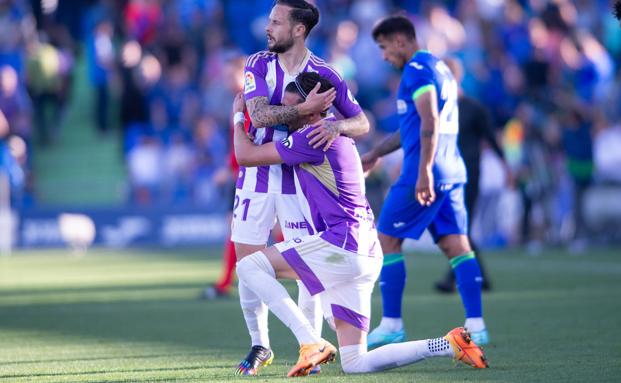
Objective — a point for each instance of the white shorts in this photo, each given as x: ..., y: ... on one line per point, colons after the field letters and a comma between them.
x: 254, y: 216
x: 343, y: 280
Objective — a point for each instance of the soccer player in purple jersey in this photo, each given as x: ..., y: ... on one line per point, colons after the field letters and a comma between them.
x: 341, y: 261
x: 265, y: 193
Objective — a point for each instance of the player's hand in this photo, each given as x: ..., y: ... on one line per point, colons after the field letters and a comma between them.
x: 239, y: 103
x: 425, y: 195
x: 317, y: 102
x: 369, y: 161
x: 323, y: 134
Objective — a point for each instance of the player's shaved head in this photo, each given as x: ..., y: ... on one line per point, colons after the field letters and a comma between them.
x: 302, y: 12
x: 392, y: 25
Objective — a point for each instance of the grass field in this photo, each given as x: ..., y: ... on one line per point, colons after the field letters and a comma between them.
x: 116, y: 316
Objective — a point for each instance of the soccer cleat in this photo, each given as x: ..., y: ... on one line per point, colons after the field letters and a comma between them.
x: 465, y: 349
x: 379, y: 337
x: 481, y: 338
x: 312, y: 355
x: 258, y: 357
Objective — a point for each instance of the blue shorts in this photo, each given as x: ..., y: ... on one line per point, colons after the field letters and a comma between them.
x: 403, y: 217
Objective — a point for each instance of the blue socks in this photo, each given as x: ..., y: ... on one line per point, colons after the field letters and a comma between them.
x: 469, y: 280
x: 392, y: 283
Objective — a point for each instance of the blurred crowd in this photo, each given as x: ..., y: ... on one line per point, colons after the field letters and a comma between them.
x: 547, y: 70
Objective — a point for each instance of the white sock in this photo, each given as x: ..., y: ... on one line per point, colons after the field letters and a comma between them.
x: 311, y: 307
x: 355, y: 359
x: 256, y: 272
x: 255, y: 313
x: 474, y: 324
x: 391, y: 324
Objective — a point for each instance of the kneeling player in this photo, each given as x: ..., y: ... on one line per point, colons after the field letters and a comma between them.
x: 341, y: 261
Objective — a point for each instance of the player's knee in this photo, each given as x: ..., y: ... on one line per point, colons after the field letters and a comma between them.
x: 252, y: 263
x: 389, y: 244
x: 454, y: 245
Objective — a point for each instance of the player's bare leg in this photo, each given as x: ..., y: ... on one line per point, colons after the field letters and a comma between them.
x: 457, y: 249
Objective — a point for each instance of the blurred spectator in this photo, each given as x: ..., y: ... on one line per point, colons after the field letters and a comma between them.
x: 607, y: 156
x: 145, y: 170
x: 100, y: 56
x: 13, y: 159
x: 15, y: 103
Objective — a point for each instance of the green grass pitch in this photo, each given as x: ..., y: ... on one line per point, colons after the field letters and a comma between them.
x: 121, y: 316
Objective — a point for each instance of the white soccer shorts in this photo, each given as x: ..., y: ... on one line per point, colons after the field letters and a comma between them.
x: 343, y: 280
x: 254, y: 216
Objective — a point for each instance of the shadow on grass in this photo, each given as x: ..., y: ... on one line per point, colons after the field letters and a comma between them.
x: 101, y: 289
x: 94, y: 372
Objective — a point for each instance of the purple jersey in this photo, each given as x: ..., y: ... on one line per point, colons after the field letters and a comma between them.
x: 333, y: 184
x: 264, y: 76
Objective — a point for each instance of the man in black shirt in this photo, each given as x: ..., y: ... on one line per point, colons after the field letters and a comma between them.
x: 474, y: 126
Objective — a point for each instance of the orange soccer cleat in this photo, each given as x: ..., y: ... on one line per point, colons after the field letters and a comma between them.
x: 465, y: 349
x: 312, y: 355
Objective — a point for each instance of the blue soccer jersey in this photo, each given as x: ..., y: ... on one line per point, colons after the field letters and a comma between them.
x: 423, y: 72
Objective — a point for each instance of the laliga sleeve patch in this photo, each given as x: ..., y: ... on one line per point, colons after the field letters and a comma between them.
x: 250, y: 85
x: 287, y: 142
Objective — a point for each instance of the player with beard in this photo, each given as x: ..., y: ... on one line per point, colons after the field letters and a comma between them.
x: 265, y: 193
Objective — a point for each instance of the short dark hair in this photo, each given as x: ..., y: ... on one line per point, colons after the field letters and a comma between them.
x: 617, y: 10
x: 302, y: 12
x: 306, y: 81
x: 392, y: 25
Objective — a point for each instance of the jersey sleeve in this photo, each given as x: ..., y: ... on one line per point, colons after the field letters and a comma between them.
x: 419, y: 79
x: 295, y: 149
x: 345, y: 102
x: 254, y: 77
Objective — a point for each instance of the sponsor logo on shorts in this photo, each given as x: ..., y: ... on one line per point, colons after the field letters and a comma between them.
x: 296, y: 225
x: 398, y: 224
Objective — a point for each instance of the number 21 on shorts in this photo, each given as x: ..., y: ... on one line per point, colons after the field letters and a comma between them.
x: 245, y: 203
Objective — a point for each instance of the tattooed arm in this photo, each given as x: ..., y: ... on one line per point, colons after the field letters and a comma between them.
x: 263, y: 114
x: 327, y: 131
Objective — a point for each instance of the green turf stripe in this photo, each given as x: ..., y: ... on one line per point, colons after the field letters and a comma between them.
x: 422, y: 90
x: 392, y: 258
x: 461, y: 259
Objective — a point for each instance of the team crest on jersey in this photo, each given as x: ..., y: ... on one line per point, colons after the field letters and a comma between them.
x: 250, y: 84
x: 416, y: 65
x: 287, y: 142
x: 402, y: 107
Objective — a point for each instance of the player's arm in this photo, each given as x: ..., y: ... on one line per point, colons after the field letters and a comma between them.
x: 327, y: 131
x: 246, y: 152
x: 355, y: 123
x: 426, y: 102
x: 263, y: 114
x: 388, y: 145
